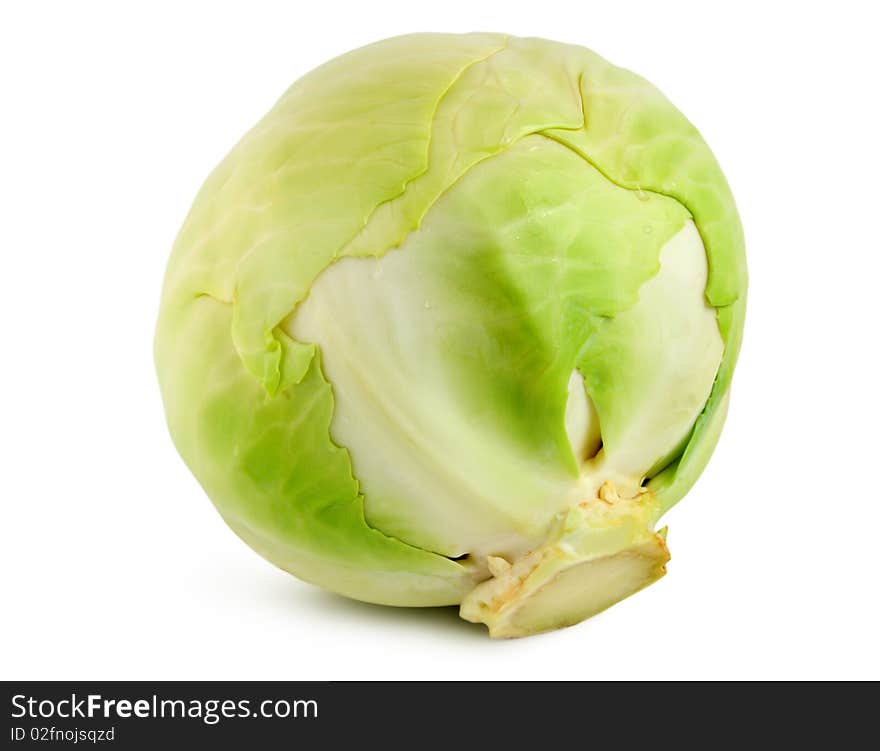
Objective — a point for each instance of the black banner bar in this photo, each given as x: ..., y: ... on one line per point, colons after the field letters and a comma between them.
x: 136, y: 715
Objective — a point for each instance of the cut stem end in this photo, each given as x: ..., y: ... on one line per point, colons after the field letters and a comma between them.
x: 595, y: 561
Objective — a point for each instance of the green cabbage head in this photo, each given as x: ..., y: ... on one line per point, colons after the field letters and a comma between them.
x: 455, y: 323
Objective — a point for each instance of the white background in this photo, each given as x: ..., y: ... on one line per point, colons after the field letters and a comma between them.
x: 114, y: 563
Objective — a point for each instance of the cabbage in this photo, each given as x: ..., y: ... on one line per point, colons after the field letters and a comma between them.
x: 455, y: 324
